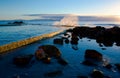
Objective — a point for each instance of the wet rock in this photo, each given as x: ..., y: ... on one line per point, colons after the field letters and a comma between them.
x: 103, y: 48
x: 82, y: 77
x: 74, y: 39
x: 88, y: 63
x: 58, y: 41
x: 62, y: 61
x: 47, y: 60
x: 108, y: 66
x: 47, y: 51
x: 93, y: 54
x: 40, y: 54
x: 97, y: 74
x: 118, y: 66
x: 22, y: 60
x: 53, y: 74
x: 66, y: 41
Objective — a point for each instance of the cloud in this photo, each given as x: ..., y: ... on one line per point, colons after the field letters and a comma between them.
x: 58, y: 17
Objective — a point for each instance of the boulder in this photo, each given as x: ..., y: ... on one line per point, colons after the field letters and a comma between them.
x: 58, y: 41
x: 47, y: 51
x: 93, y: 54
x: 46, y: 60
x: 22, y: 60
x: 97, y: 74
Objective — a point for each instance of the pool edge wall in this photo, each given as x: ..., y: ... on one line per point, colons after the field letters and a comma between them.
x: 14, y: 45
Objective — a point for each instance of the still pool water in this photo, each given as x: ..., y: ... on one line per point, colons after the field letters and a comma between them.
x: 74, y: 58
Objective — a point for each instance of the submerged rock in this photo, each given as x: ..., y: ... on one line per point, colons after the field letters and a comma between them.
x: 62, y: 61
x: 82, y: 77
x: 88, y: 63
x: 93, y: 54
x: 58, y: 41
x: 108, y: 66
x: 22, y: 60
x: 53, y: 74
x: 118, y: 66
x: 97, y: 74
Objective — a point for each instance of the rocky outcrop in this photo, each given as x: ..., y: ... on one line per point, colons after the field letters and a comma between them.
x: 107, y: 36
x: 93, y: 54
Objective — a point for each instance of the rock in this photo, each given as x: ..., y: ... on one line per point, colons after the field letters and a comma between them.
x: 93, y: 54
x: 53, y: 74
x: 97, y: 74
x: 62, y: 61
x: 82, y: 77
x: 46, y: 60
x: 58, y: 41
x: 40, y: 54
x: 108, y: 66
x: 22, y: 60
x: 74, y: 39
x: 88, y: 63
x: 118, y: 66
x: 47, y: 51
x: 66, y: 41
x: 103, y: 48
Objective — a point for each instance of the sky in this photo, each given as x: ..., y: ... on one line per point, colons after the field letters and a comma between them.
x: 17, y: 9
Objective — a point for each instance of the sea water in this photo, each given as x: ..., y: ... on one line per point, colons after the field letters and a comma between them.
x: 33, y: 28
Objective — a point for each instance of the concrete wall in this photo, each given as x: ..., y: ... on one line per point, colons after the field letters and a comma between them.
x: 18, y: 44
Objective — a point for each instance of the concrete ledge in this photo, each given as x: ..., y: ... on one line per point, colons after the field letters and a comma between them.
x: 18, y: 44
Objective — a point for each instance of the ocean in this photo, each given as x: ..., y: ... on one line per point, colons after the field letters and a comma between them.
x: 33, y: 28
x: 38, y: 69
x: 10, y: 34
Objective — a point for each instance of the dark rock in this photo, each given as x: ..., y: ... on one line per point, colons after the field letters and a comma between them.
x: 62, y: 61
x: 58, y: 41
x: 118, y: 66
x: 53, y: 74
x: 103, y: 48
x: 66, y: 41
x: 93, y: 54
x: 88, y: 63
x: 108, y: 66
x: 74, y: 39
x: 82, y: 77
x: 22, y: 60
x: 97, y: 74
x: 47, y: 60
x: 47, y: 51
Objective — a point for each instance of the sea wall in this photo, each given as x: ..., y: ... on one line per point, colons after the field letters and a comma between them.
x: 21, y: 43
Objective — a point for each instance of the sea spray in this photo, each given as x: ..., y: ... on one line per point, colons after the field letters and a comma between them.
x: 69, y: 20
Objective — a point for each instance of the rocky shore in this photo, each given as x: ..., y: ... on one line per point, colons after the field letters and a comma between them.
x: 55, y: 58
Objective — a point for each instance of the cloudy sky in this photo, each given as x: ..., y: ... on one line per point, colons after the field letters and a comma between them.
x: 23, y: 9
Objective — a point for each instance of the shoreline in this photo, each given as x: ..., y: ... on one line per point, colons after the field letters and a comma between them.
x: 14, y: 45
